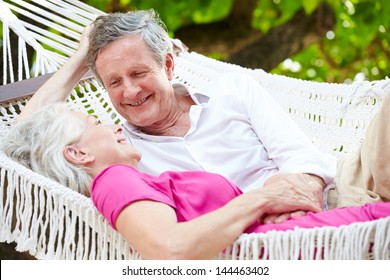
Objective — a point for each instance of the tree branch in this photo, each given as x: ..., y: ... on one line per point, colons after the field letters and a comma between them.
x: 286, y: 40
x: 239, y: 43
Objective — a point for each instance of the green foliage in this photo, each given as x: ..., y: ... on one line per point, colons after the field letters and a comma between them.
x: 270, y: 14
x: 359, y: 42
x: 102, y: 5
x: 177, y: 13
x: 357, y: 47
x: 310, y: 5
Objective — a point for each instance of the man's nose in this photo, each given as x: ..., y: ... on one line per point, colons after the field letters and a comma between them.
x: 131, y: 89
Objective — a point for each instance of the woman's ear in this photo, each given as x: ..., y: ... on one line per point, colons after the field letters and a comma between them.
x: 169, y: 65
x: 77, y: 156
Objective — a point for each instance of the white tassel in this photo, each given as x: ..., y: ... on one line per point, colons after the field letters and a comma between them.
x: 366, y: 240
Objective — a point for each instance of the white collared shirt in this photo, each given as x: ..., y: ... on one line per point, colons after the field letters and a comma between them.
x: 237, y: 130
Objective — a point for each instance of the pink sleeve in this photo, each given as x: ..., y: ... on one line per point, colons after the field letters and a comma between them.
x: 118, y: 186
x: 334, y: 217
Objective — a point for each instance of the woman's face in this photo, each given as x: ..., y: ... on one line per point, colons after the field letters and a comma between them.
x: 105, y: 145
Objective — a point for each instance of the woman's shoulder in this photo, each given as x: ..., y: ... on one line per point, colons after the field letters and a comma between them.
x: 115, y: 174
x: 116, y: 169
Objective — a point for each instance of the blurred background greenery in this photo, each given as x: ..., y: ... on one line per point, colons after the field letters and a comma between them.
x: 322, y: 40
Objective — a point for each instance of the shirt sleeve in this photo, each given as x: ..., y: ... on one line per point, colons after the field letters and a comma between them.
x: 118, y: 186
x: 285, y: 142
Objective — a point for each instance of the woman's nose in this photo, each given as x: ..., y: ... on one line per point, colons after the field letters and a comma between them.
x: 117, y: 128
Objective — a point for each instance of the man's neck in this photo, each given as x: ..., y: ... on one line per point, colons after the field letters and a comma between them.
x: 177, y: 123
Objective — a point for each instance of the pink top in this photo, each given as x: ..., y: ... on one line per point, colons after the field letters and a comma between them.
x: 194, y: 193
x: 190, y: 193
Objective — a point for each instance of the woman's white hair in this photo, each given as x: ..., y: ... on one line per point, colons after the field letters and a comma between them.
x: 38, y: 142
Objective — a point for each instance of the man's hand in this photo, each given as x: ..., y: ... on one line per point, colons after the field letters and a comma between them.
x: 84, y: 42
x: 58, y: 87
x: 311, y: 185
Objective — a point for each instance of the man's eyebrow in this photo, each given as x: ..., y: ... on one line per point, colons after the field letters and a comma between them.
x: 106, y: 77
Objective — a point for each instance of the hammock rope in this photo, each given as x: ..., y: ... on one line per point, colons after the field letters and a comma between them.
x: 50, y: 221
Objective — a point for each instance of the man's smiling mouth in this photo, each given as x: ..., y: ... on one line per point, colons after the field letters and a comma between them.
x: 139, y: 102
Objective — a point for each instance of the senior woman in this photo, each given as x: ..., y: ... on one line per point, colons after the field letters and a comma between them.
x: 176, y: 215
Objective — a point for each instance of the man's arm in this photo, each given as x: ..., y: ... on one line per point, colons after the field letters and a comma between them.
x: 58, y: 87
x: 288, y: 147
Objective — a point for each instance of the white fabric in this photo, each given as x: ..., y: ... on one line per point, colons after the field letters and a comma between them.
x: 238, y: 131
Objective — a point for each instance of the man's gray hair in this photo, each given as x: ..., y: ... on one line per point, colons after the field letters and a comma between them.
x: 39, y: 140
x: 144, y: 23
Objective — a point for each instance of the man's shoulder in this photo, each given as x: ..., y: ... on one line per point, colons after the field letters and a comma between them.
x: 235, y: 77
x: 234, y: 84
x: 233, y: 81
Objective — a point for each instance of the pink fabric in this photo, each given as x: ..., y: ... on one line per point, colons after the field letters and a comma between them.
x: 194, y: 193
x: 335, y: 217
x: 190, y: 193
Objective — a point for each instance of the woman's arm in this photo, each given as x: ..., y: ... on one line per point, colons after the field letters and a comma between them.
x: 58, y: 87
x: 152, y: 228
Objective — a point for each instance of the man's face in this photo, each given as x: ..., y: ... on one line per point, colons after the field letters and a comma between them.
x: 138, y: 86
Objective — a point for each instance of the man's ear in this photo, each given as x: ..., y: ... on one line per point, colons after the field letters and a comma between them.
x: 76, y: 156
x: 169, y: 65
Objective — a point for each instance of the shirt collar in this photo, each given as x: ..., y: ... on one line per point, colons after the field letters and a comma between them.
x: 198, y: 97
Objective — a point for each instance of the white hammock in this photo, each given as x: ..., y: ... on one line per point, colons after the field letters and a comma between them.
x: 51, y: 221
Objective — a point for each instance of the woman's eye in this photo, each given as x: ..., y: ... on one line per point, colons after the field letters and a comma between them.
x: 97, y: 121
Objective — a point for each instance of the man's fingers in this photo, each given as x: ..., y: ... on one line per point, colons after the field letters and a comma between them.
x: 298, y: 213
x: 275, y: 218
x: 281, y: 218
x: 269, y: 219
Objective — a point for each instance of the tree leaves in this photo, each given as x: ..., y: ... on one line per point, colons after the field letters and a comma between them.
x: 359, y: 42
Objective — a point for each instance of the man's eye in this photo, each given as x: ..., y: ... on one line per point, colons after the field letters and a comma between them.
x: 139, y: 74
x: 112, y: 83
